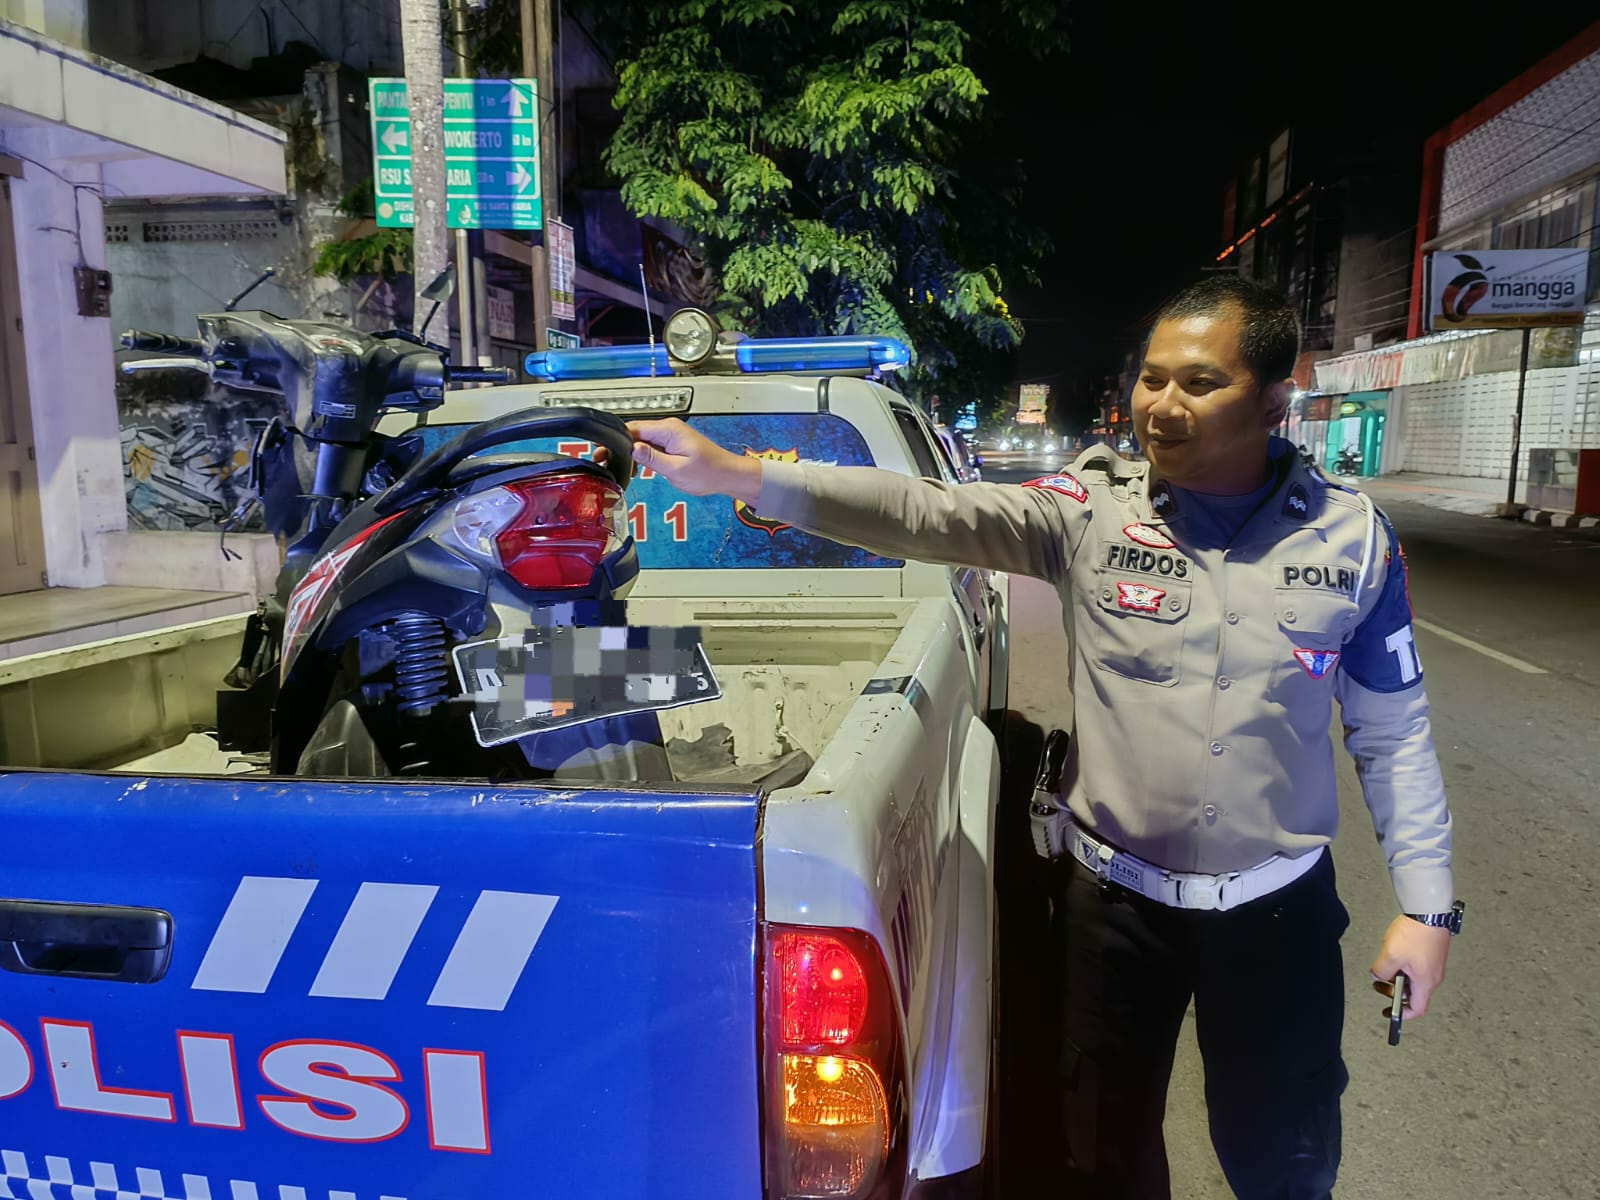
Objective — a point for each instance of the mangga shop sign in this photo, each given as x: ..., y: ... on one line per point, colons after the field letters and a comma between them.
x: 1507, y: 289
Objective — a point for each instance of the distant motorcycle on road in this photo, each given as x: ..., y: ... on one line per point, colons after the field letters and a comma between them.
x: 1349, y: 462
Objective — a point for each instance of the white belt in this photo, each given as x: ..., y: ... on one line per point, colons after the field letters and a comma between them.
x: 1183, y: 889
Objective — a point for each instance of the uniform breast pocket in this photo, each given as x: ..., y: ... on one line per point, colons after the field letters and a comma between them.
x: 1313, y: 625
x: 1136, y: 626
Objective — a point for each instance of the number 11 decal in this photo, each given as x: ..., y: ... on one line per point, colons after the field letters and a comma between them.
x: 676, y: 517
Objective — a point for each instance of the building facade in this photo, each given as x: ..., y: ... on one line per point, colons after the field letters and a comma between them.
x: 1519, y: 171
x: 75, y: 130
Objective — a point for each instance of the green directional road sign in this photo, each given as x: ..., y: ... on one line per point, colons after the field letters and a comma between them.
x: 491, y: 153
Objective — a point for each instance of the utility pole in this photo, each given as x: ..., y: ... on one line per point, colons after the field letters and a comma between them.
x: 419, y: 36
x: 537, y: 40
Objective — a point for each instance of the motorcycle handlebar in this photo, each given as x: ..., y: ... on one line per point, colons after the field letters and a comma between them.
x: 166, y: 343
x: 483, y: 375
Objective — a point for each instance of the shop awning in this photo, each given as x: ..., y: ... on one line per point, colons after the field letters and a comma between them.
x: 62, y: 106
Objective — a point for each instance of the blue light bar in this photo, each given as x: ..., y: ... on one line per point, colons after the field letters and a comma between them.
x: 755, y: 356
x: 598, y: 362
x: 822, y: 354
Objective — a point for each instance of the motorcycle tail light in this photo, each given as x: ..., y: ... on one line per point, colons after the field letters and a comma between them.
x: 548, y: 533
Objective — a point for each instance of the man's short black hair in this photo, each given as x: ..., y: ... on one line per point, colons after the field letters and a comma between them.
x: 1271, y: 337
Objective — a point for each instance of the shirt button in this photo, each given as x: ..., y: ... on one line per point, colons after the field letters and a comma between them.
x: 1175, y: 605
x: 1106, y: 595
x: 1233, y: 618
x: 1211, y: 810
x: 1288, y: 615
x: 1224, y: 683
x: 1216, y: 747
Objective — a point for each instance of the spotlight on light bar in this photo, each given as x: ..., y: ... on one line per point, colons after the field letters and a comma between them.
x: 753, y: 356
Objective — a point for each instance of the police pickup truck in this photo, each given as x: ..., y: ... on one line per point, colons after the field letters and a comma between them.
x: 768, y: 975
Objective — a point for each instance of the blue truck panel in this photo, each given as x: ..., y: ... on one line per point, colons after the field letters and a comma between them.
x: 424, y: 991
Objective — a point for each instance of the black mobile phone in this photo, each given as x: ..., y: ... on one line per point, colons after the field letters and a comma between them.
x: 1402, y: 993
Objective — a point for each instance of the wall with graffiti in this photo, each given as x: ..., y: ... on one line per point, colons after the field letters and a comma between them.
x: 186, y: 449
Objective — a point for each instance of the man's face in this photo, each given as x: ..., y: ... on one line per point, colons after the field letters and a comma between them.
x: 1201, y: 415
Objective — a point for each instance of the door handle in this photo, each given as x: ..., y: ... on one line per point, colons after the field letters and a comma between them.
x: 113, y: 943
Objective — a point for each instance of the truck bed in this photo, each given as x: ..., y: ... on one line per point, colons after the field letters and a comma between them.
x: 789, y: 669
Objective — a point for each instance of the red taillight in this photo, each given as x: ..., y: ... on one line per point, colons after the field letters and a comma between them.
x: 548, y: 533
x: 835, y: 1093
x: 822, y: 990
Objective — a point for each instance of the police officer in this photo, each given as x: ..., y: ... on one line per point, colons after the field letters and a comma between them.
x: 1217, y: 598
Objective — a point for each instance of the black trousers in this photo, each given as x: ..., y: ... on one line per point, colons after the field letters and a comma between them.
x: 1268, y: 987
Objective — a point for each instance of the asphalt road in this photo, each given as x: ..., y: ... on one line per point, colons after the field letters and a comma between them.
x: 1494, y: 1093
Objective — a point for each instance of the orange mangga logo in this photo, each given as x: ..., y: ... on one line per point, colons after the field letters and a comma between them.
x: 1465, y: 290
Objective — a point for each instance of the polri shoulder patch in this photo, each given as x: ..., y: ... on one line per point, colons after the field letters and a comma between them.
x: 1162, y: 502
x: 1064, y: 484
x: 1297, y: 504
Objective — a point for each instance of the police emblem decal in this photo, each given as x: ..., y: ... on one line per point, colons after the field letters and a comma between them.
x: 1146, y: 536
x: 1063, y: 483
x: 1317, y: 663
x: 1298, y: 503
x: 1139, y: 597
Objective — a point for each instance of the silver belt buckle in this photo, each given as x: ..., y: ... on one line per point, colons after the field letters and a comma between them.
x: 1205, y: 890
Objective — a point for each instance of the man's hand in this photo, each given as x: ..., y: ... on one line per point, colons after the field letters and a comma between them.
x: 1418, y: 950
x: 694, y: 463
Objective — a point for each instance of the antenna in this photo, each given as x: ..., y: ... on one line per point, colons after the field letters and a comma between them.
x: 259, y: 280
x: 649, y: 321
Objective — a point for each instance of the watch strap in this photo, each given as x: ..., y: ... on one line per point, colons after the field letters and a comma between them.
x: 1446, y: 920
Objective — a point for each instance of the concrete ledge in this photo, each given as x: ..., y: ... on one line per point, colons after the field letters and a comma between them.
x: 176, y: 559
x: 93, y: 654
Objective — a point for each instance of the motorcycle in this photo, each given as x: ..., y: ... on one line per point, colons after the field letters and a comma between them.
x: 427, y: 620
x: 1348, y: 462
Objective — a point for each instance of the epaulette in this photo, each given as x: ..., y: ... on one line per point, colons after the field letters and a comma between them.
x: 1105, y: 462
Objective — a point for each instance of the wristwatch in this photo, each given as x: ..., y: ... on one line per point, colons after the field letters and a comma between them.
x: 1448, y: 920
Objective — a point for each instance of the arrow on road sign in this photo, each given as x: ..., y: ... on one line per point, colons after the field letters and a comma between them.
x: 517, y: 101
x: 520, y: 177
x: 393, y: 138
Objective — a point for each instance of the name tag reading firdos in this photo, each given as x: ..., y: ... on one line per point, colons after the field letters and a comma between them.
x: 1151, y: 562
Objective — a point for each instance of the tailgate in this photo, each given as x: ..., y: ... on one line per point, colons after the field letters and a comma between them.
x: 384, y: 990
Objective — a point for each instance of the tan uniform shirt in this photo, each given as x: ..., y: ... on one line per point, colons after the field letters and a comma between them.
x: 1203, y: 679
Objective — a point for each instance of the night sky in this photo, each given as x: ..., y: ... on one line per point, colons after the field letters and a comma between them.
x: 1129, y: 139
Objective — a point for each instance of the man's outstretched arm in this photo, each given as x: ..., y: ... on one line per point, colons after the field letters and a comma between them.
x: 1029, y: 530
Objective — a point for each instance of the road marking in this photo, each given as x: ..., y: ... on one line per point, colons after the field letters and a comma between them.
x: 1527, y: 668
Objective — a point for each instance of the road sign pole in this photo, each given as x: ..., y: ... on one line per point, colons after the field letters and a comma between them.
x: 536, y: 56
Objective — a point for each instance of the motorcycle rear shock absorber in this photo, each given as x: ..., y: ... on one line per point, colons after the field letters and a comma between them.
x: 421, y: 664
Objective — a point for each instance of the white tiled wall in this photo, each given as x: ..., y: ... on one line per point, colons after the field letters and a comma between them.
x: 1463, y: 427
x: 1547, y: 136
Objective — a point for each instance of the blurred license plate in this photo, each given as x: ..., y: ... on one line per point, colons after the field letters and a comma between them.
x: 540, y: 679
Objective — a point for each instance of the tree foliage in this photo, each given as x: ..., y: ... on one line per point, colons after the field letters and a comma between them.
x: 385, y: 251
x: 815, y: 146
